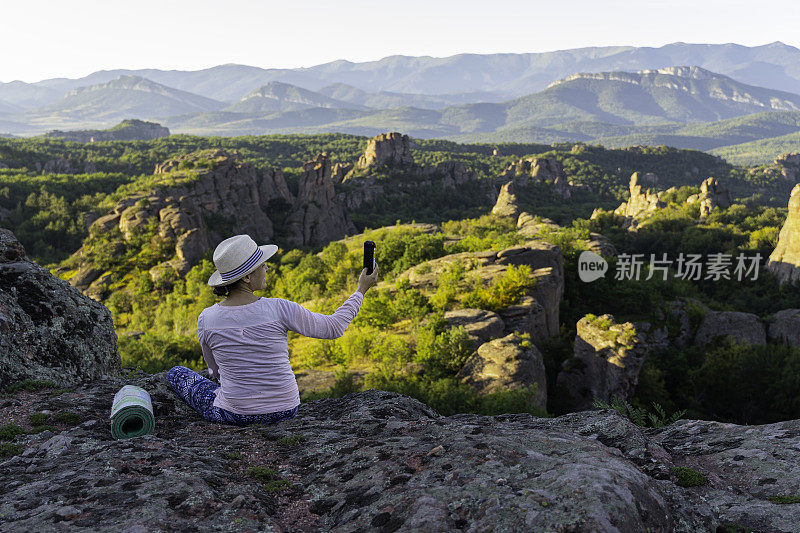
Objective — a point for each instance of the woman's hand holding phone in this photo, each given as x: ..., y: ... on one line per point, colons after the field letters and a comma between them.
x: 365, y: 281
x: 369, y: 275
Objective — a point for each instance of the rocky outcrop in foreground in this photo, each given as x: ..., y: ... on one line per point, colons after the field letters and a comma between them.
x: 49, y: 330
x: 380, y: 461
x: 784, y: 261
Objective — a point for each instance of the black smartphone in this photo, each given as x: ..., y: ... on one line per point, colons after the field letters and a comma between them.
x: 369, y: 256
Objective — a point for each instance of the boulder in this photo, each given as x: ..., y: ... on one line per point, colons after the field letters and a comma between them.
x: 538, y: 312
x: 549, y: 291
x: 508, y: 363
x: 536, y: 254
x: 531, y: 226
x: 601, y: 245
x: 527, y: 316
x: 481, y: 325
x: 606, y: 363
x: 682, y: 318
x: 506, y: 204
x: 784, y: 262
x: 744, y: 327
x: 202, y: 198
x: 786, y: 327
x: 451, y: 173
x: 48, y: 329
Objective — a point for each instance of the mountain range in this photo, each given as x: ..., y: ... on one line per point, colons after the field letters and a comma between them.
x: 611, y: 95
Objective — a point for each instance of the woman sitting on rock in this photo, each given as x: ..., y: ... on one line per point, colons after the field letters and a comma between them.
x: 245, y: 344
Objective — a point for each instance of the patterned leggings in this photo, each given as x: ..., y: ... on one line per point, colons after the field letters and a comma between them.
x: 198, y: 392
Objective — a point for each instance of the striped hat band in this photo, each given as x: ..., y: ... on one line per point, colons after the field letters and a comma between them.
x: 244, y: 267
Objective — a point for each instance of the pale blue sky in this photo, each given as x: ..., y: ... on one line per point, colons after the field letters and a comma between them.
x: 44, y: 39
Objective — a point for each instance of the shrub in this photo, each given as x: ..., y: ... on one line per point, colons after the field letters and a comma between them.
x: 688, y: 477
x: 748, y: 384
x: 9, y: 431
x: 639, y: 416
x: 67, y: 417
x: 784, y: 499
x: 504, y: 291
x: 8, y: 449
x: 292, y: 440
x: 442, y: 351
x: 31, y: 385
x: 269, y: 477
x: 37, y: 419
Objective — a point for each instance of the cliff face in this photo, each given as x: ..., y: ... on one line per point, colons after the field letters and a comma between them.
x: 784, y: 261
x: 318, y: 216
x: 380, y: 461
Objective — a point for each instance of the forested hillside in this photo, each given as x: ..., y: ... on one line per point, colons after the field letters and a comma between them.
x: 478, y: 246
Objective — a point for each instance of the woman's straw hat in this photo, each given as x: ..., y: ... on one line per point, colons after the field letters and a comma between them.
x: 237, y: 257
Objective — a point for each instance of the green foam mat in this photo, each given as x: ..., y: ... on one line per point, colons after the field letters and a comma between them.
x: 132, y: 413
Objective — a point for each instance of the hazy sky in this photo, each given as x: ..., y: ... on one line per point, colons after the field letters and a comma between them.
x: 71, y: 38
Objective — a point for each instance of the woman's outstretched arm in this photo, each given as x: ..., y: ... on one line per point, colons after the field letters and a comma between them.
x: 320, y: 326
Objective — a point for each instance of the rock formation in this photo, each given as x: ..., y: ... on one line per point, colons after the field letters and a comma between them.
x: 506, y: 205
x: 784, y: 261
x: 606, y: 363
x: 381, y: 461
x: 318, y: 216
x: 640, y: 205
x: 509, y: 363
x: 390, y: 153
x: 539, y: 170
x: 127, y: 130
x: 388, y: 148
x: 712, y: 195
x: 532, y: 228
x: 48, y: 330
x: 785, y: 327
x: 205, y: 197
x: 479, y: 324
x: 786, y: 166
x: 744, y: 327
x: 537, y: 312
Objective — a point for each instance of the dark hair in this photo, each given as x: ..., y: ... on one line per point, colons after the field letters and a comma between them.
x: 225, y: 290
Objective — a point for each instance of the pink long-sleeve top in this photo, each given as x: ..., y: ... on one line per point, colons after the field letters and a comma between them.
x: 247, y: 347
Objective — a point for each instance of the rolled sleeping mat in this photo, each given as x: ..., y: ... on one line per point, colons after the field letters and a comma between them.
x: 131, y: 413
